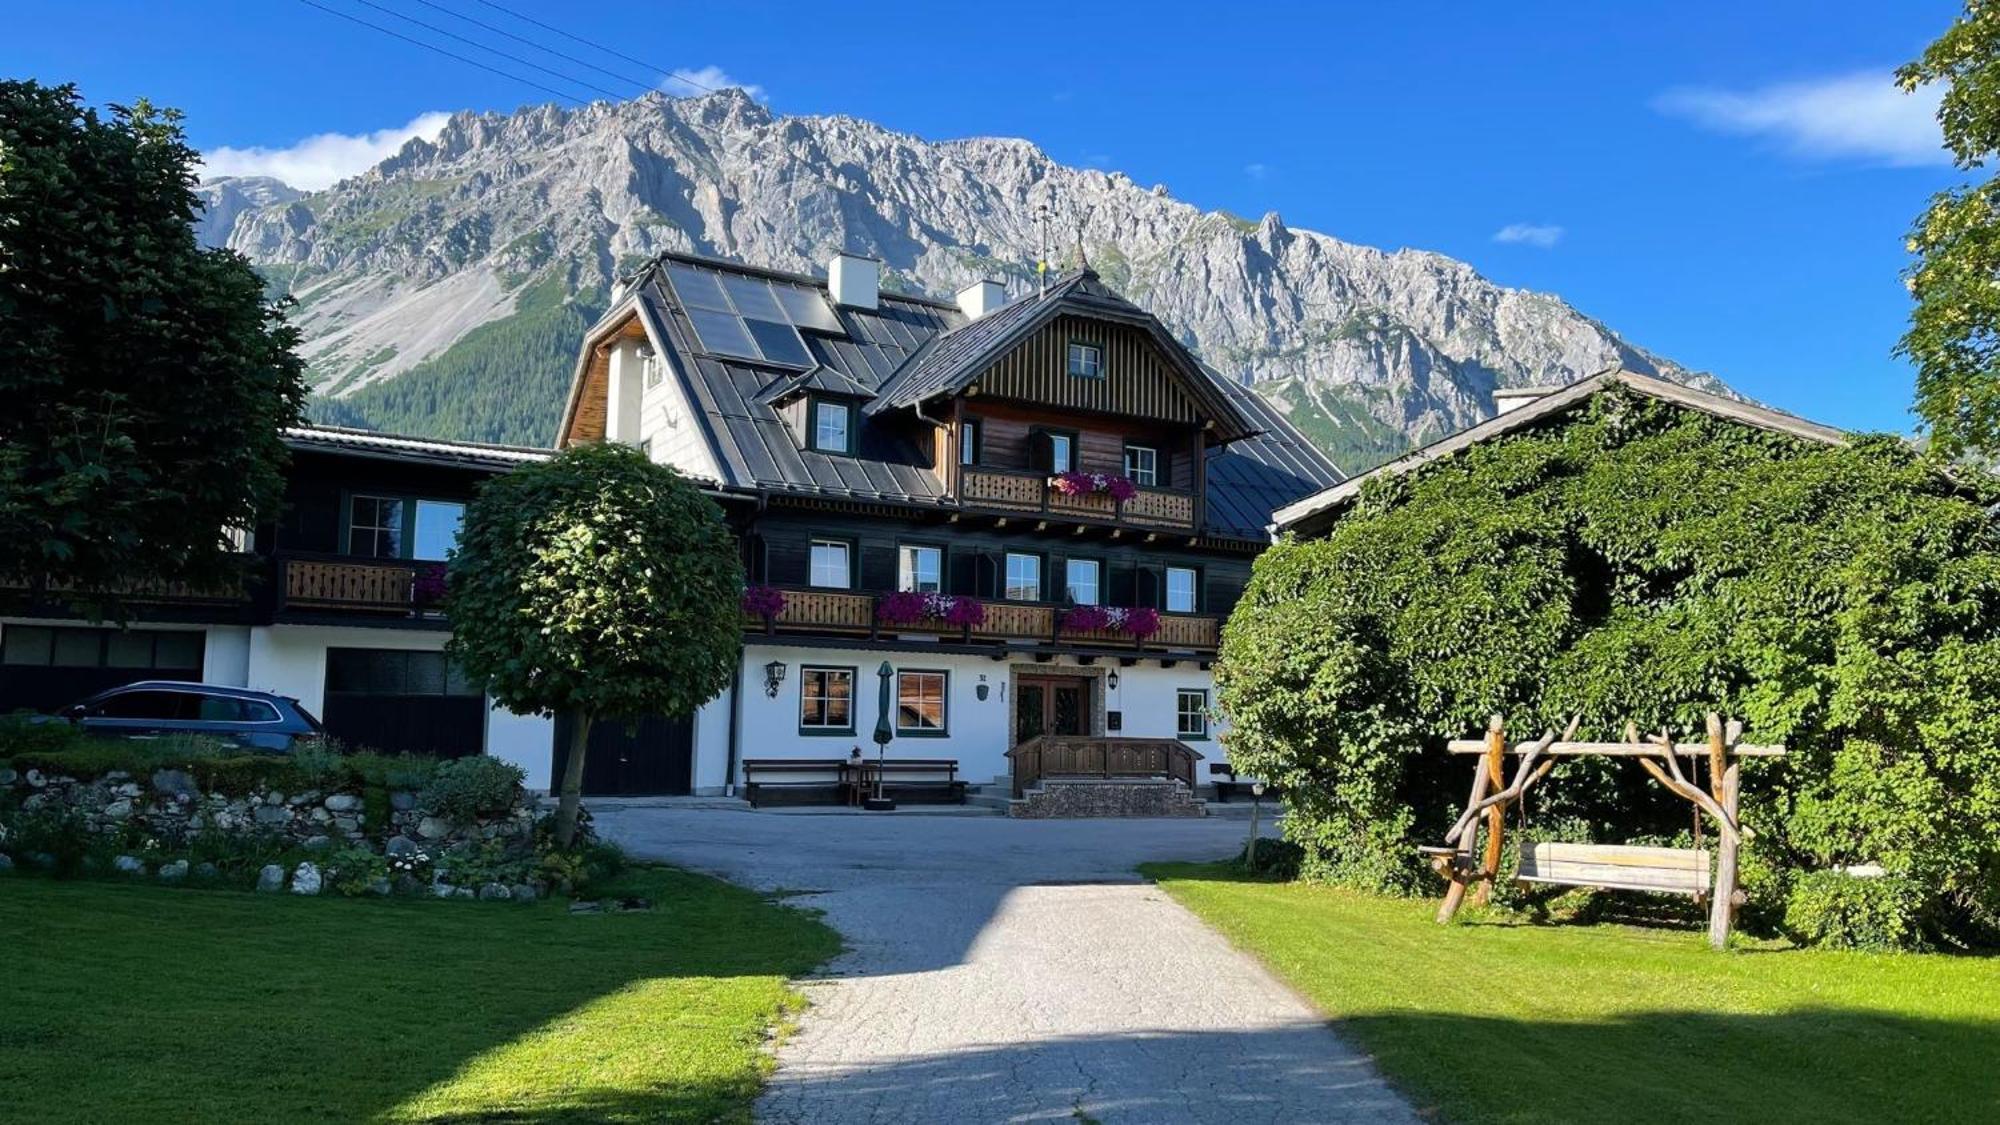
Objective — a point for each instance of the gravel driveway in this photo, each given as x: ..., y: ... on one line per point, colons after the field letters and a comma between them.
x: 1003, y: 970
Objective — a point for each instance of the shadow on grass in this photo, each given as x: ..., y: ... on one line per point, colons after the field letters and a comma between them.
x: 1804, y: 1065
x: 146, y: 1003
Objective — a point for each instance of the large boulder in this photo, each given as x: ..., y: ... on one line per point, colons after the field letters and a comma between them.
x: 271, y: 879
x: 306, y: 879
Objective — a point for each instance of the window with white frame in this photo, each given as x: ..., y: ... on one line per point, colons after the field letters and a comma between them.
x: 826, y: 700
x: 920, y: 703
x: 920, y: 569
x: 1181, y: 584
x: 654, y: 368
x: 833, y: 427
x: 1191, y: 713
x: 1062, y: 449
x: 1086, y: 360
x: 1142, y: 464
x: 1024, y: 577
x: 831, y: 567
x: 1080, y: 579
x: 375, y: 527
x: 968, y: 442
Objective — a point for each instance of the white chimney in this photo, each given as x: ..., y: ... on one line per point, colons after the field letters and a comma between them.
x: 981, y: 297
x: 1513, y: 398
x: 856, y: 281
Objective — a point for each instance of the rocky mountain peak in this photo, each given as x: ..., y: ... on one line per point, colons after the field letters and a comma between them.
x: 513, y: 221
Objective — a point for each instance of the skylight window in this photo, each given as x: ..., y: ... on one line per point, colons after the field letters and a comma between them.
x: 750, y: 317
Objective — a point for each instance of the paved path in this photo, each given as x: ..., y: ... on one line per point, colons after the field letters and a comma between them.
x: 1003, y: 970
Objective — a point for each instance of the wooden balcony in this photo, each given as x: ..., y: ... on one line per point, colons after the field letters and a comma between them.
x: 376, y: 587
x: 1016, y: 491
x: 840, y: 612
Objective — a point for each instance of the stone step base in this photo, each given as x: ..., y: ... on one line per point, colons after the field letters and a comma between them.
x: 1117, y: 797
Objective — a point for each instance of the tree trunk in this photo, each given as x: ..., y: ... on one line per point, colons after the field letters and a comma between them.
x: 572, y: 780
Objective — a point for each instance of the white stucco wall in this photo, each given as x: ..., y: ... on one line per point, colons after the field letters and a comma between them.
x: 978, y: 730
x: 291, y: 660
x: 226, y: 656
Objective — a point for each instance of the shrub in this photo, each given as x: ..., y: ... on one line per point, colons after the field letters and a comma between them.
x: 462, y: 790
x: 352, y: 870
x: 1640, y: 562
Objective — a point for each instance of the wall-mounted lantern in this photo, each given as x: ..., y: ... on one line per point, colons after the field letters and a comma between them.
x: 1111, y: 680
x: 774, y: 675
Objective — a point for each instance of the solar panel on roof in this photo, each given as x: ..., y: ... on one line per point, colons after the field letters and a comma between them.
x: 698, y: 289
x: 753, y: 297
x: 749, y: 317
x: 723, y: 333
x: 807, y: 309
x: 780, y: 342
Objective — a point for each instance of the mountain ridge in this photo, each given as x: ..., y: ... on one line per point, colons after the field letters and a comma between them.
x: 416, y: 277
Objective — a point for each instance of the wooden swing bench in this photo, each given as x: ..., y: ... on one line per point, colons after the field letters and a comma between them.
x: 1673, y: 871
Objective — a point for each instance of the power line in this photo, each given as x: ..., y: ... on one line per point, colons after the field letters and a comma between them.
x: 598, y: 46
x: 537, y: 46
x: 612, y: 94
x: 440, y: 50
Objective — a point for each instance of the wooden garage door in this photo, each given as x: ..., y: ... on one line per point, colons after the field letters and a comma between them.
x: 48, y: 667
x: 397, y: 701
x: 656, y: 759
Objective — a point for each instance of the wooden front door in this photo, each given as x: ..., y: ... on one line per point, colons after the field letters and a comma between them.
x: 1050, y: 705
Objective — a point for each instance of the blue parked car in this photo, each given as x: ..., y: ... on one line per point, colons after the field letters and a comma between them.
x: 152, y: 708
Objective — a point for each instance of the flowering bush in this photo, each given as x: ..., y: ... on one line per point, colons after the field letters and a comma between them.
x: 1075, y: 483
x: 911, y: 608
x: 766, y: 602
x: 428, y: 586
x: 1136, y: 623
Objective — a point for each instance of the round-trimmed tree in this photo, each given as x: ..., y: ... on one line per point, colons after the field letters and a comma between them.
x: 599, y: 586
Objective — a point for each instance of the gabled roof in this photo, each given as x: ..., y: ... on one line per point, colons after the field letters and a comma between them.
x: 1322, y: 505
x: 962, y: 355
x: 368, y: 443
x: 736, y: 403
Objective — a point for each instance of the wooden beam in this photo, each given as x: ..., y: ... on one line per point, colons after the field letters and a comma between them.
x: 1618, y: 749
x: 1496, y: 816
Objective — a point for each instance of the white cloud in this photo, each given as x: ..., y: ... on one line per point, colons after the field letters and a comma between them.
x: 1256, y: 171
x: 1862, y: 116
x: 688, y: 82
x: 1543, y: 235
x: 322, y: 160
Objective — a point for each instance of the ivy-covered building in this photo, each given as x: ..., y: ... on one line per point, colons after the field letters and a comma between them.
x: 1630, y: 550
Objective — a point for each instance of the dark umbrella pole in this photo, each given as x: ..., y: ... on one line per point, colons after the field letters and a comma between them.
x: 884, y: 731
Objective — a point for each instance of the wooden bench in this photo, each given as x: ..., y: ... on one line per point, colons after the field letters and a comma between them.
x: 810, y: 778
x: 1624, y: 867
x: 915, y: 779
x: 1235, y: 785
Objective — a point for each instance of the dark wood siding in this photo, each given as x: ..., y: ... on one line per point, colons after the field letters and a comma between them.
x: 318, y: 483
x: 1138, y: 381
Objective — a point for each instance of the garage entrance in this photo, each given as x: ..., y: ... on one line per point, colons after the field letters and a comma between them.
x: 656, y: 760
x: 47, y: 667
x: 398, y: 701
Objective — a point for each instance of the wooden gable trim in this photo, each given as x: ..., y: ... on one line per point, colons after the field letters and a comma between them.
x: 1138, y: 378
x: 590, y: 390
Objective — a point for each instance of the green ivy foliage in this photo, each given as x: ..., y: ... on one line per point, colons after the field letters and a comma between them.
x: 1643, y: 562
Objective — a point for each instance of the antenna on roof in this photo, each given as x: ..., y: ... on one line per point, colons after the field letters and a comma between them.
x: 1042, y: 254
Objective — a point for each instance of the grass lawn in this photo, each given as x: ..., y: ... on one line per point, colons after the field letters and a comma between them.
x: 140, y: 1003
x: 1494, y: 1020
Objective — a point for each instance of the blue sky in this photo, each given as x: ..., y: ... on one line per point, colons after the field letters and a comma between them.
x: 1727, y: 184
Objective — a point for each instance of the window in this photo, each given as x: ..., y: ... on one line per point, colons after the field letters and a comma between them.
x: 826, y: 700
x: 646, y: 448
x: 1024, y: 577
x: 1191, y: 713
x: 144, y: 705
x: 968, y: 442
x: 392, y: 527
x: 920, y: 569
x: 375, y: 527
x: 1086, y: 360
x: 830, y: 564
x: 1142, y: 464
x: 649, y: 363
x: 1061, y: 453
x: 1180, y: 589
x: 437, y: 529
x: 1080, y: 579
x: 920, y: 707
x: 44, y: 646
x: 832, y: 426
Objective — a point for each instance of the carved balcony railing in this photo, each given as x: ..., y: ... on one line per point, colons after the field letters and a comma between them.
x: 1052, y: 755
x: 1012, y: 490
x: 377, y: 587
x: 808, y: 610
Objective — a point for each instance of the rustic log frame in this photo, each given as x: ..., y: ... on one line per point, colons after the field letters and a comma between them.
x: 1658, y: 754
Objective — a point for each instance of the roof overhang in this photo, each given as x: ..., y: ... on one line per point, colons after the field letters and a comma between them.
x: 1309, y: 513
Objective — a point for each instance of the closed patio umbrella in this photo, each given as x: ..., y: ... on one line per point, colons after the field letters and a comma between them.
x: 884, y: 731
